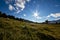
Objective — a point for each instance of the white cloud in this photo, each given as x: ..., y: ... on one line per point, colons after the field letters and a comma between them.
x: 17, y: 11
x: 11, y: 7
x: 55, y: 15
x: 57, y: 18
x: 36, y: 15
x: 19, y: 5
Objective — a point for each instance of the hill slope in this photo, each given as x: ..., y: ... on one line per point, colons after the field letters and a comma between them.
x: 11, y: 29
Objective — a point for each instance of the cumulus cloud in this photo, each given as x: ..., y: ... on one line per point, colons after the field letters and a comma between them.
x: 55, y: 15
x: 17, y: 5
x: 36, y: 15
x: 11, y: 7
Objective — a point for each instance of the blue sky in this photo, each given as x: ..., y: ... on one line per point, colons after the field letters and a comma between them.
x: 34, y: 10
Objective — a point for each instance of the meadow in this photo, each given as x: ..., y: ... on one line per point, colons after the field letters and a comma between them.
x: 11, y: 29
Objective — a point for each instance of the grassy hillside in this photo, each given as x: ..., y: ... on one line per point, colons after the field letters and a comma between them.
x: 11, y: 29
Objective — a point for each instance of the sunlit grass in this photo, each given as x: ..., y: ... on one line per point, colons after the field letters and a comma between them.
x: 11, y: 29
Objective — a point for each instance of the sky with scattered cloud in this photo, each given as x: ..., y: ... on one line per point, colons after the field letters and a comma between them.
x: 16, y: 5
x: 34, y: 10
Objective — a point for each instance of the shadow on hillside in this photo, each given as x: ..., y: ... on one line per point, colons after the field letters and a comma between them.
x: 44, y: 37
x: 39, y: 35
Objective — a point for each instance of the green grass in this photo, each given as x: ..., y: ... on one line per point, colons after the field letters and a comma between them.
x: 11, y: 29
